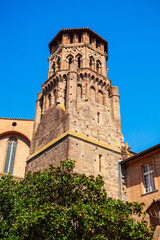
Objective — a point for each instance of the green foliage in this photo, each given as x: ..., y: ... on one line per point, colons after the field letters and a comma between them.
x: 60, y: 203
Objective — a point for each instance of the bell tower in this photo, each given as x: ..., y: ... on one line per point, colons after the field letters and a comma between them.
x: 77, y: 113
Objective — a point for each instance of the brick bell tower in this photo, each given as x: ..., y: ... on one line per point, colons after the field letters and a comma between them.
x: 78, y: 113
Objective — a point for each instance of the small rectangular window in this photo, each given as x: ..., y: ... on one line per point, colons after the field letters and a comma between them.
x: 148, y: 178
x: 98, y: 117
x: 100, y: 162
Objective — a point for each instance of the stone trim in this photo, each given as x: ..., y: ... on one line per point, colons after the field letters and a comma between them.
x: 21, y: 119
x: 79, y: 136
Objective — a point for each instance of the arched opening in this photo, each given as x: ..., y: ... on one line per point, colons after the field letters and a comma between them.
x: 79, y: 62
x: 100, y: 97
x: 79, y: 91
x: 91, y: 63
x: 55, y: 96
x: 58, y: 63
x: 54, y: 67
x: 93, y: 94
x: 80, y: 79
x: 98, y: 66
x: 10, y: 155
x: 49, y: 99
x: 70, y: 60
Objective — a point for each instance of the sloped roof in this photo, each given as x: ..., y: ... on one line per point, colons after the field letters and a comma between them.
x: 147, y: 152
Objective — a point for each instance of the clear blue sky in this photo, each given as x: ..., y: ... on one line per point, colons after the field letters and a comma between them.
x: 132, y: 29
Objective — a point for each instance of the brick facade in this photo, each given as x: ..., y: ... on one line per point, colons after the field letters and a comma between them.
x: 136, y: 188
x: 78, y: 110
x: 22, y: 131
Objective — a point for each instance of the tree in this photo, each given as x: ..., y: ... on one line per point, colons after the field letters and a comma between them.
x: 60, y: 203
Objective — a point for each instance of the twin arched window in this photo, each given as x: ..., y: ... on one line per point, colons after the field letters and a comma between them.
x: 10, y: 156
x: 78, y: 59
x: 93, y: 95
x: 92, y: 64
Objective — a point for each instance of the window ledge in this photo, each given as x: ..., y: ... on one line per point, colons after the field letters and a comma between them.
x: 156, y: 190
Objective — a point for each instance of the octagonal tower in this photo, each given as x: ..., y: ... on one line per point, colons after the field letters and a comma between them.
x: 77, y: 112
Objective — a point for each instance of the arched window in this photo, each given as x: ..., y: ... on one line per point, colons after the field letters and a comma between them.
x: 79, y: 62
x: 54, y: 67
x: 91, y: 63
x: 79, y: 91
x: 98, y: 66
x: 93, y: 94
x: 10, y: 156
x: 70, y: 60
x: 79, y: 37
x: 58, y: 63
x: 49, y: 99
x: 55, y: 96
x: 100, y: 97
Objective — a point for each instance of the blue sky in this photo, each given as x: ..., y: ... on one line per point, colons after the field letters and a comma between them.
x: 132, y: 29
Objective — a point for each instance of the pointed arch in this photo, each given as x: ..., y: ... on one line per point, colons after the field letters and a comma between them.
x: 79, y: 60
x: 69, y: 60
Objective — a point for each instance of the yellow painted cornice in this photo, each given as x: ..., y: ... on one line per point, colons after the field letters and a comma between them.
x: 79, y: 136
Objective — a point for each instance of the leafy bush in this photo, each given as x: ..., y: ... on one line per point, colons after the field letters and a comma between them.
x: 60, y: 203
